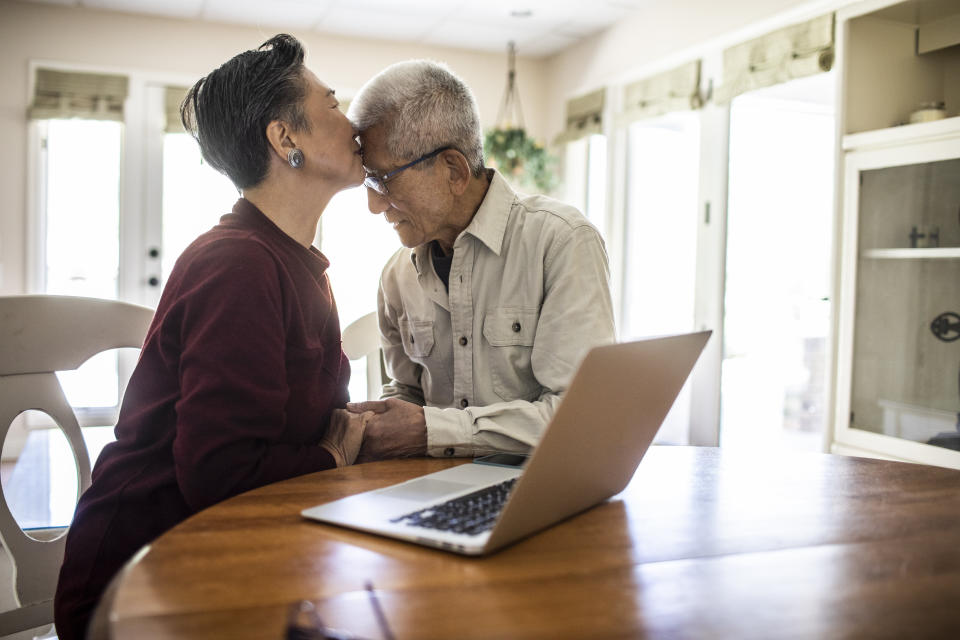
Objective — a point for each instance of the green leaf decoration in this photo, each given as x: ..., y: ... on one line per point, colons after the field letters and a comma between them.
x: 523, y: 161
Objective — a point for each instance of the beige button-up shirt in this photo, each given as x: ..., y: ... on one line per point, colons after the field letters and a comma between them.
x: 489, y: 361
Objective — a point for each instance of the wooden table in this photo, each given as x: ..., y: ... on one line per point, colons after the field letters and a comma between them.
x: 704, y: 543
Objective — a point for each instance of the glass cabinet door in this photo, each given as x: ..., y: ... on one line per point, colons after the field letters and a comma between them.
x: 905, y: 364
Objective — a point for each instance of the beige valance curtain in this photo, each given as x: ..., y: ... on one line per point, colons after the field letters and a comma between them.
x: 584, y: 117
x: 794, y: 52
x: 675, y: 90
x: 69, y: 94
x: 172, y: 97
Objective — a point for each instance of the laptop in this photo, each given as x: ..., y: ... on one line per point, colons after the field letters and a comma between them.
x: 588, y: 452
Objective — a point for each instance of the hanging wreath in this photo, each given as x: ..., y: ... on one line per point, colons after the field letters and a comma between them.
x: 520, y: 158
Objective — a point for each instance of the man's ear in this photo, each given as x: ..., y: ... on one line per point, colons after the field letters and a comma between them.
x: 458, y: 170
x: 278, y: 136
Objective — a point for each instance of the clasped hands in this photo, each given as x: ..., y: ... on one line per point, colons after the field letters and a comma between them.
x: 376, y: 430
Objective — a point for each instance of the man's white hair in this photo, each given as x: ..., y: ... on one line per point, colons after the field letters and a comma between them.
x: 423, y: 106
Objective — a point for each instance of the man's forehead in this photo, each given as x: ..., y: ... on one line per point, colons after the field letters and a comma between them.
x: 373, y: 141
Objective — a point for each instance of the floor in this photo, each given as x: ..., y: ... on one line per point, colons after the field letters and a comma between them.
x: 41, y: 491
x: 41, y: 485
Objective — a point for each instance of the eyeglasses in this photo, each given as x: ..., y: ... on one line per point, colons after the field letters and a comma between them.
x: 379, y: 183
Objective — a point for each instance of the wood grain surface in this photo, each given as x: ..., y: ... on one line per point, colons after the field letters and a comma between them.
x: 704, y: 543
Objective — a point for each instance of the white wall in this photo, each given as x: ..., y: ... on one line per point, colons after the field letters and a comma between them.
x: 109, y: 40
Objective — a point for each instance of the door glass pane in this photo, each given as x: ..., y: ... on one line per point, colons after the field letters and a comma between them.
x: 661, y: 239
x: 195, y: 196
x: 906, y: 360
x: 779, y: 239
x: 575, y: 173
x: 358, y: 245
x: 585, y: 178
x: 82, y: 196
x: 596, y: 201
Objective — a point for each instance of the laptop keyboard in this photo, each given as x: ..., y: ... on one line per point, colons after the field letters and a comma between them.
x: 470, y: 514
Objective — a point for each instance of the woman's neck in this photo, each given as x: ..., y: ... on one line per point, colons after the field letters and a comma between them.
x: 294, y: 211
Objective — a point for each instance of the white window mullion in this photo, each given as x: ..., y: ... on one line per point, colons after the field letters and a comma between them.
x: 151, y: 246
x: 710, y: 275
x: 133, y: 199
x: 37, y: 206
x: 616, y: 203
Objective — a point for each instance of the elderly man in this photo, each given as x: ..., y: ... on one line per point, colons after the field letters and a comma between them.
x: 487, y: 311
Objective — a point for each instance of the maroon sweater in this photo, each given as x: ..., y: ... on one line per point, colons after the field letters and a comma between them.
x: 235, y: 385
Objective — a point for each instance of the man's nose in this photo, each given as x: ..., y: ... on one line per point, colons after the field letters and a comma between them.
x: 376, y: 202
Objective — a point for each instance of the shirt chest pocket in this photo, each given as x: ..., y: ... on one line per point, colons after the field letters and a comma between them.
x: 417, y: 337
x: 510, y: 334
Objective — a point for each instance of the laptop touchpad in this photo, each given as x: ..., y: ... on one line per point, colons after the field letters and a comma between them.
x: 423, y: 489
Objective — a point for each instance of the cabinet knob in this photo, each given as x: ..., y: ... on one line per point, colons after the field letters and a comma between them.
x: 946, y: 326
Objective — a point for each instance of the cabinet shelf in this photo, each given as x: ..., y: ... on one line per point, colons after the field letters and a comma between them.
x: 912, y: 254
x: 948, y: 127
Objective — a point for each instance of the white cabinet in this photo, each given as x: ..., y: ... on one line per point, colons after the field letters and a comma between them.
x: 897, y: 377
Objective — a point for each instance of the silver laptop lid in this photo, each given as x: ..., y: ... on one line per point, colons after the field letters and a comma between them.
x: 614, y: 406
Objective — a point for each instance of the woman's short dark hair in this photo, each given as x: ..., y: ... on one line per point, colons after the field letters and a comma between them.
x: 228, y: 111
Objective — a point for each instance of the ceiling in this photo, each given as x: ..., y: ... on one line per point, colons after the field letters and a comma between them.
x: 538, y: 27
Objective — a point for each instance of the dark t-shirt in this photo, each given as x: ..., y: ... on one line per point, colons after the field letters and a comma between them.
x: 240, y: 371
x: 441, y: 263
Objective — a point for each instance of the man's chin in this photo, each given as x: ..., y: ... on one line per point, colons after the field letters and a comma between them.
x: 409, y: 242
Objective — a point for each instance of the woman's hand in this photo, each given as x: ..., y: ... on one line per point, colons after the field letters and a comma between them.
x: 395, y: 429
x: 345, y: 435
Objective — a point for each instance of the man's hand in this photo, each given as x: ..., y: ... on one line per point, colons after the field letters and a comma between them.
x: 344, y: 435
x: 395, y: 429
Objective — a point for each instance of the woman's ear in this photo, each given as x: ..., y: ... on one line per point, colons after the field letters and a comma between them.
x: 278, y: 135
x: 458, y: 170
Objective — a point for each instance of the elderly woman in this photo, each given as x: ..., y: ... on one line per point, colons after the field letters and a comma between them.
x: 242, y: 371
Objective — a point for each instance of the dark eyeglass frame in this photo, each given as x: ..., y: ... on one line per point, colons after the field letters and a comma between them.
x: 379, y: 183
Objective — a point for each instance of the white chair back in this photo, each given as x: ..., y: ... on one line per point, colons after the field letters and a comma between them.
x: 361, y: 339
x: 41, y: 335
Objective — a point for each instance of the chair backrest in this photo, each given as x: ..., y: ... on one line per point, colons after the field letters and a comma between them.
x: 41, y: 335
x: 361, y: 339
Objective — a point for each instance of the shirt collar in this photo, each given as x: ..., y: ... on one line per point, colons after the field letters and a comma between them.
x: 489, y: 223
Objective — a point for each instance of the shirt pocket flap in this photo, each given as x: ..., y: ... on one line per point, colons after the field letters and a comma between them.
x: 505, y: 326
x: 417, y: 337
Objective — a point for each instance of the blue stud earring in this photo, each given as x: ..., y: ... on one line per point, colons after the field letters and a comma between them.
x: 295, y: 158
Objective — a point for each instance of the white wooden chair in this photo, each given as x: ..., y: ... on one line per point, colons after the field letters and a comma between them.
x: 41, y: 335
x: 361, y: 339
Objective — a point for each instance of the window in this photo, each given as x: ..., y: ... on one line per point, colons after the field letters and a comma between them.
x: 661, y: 238
x: 779, y: 237
x: 195, y: 196
x: 80, y: 165
x: 358, y: 245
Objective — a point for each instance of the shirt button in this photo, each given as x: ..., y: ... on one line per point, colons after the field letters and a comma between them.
x: 516, y: 327
x: 448, y: 451
x: 464, y: 403
x: 463, y: 341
